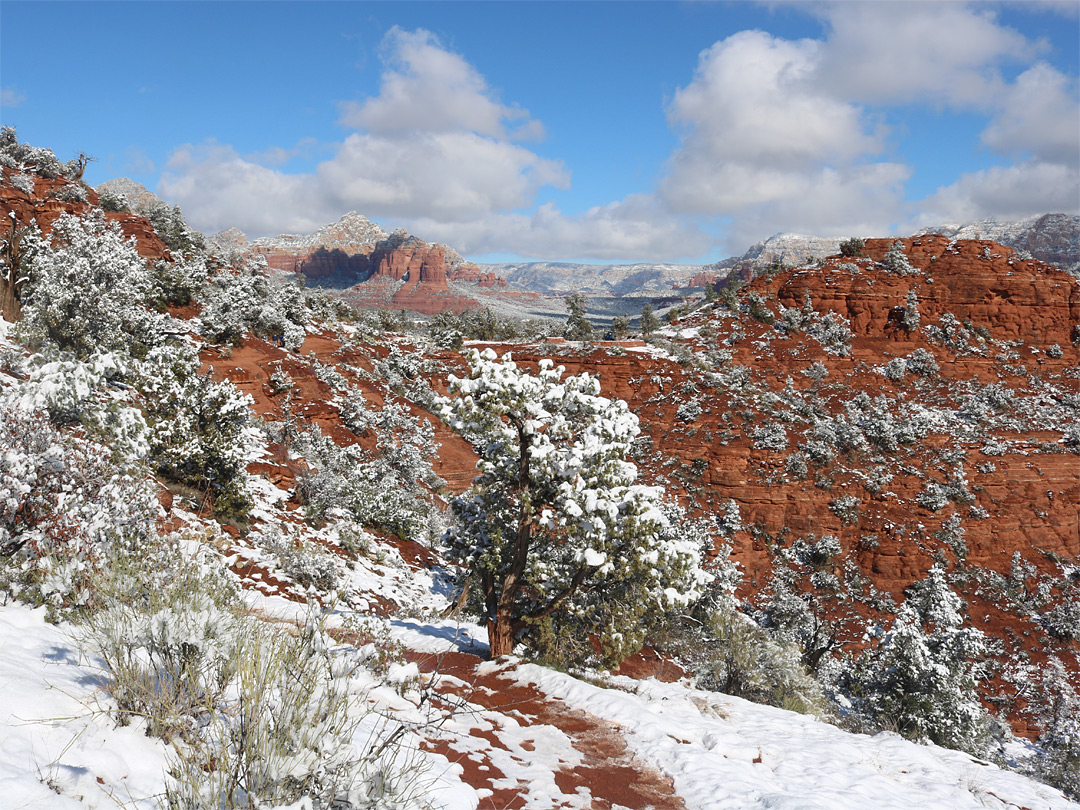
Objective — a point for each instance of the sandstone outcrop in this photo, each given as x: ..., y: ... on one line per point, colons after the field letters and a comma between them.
x: 53, y: 197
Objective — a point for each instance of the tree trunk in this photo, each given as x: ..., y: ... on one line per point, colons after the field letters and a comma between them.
x: 501, y: 635
x: 10, y: 306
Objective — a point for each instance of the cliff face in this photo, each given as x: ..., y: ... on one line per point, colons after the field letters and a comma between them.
x: 53, y: 197
x: 370, y: 267
x: 979, y: 282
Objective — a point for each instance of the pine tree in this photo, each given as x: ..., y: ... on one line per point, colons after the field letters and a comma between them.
x: 554, y: 527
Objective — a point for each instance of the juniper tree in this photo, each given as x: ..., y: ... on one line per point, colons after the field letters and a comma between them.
x: 578, y: 326
x: 649, y: 322
x: 554, y: 525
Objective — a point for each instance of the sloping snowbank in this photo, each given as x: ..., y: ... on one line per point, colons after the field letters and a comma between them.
x: 724, y: 752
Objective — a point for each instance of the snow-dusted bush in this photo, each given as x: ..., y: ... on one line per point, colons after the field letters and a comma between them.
x: 688, y: 411
x: 374, y: 491
x: 832, y: 331
x: 245, y: 300
x: 922, y: 362
x: 404, y: 374
x: 73, y: 392
x: 920, y: 676
x: 199, y: 428
x: 257, y: 716
x: 846, y: 507
x: 770, y: 436
x: 895, y: 369
x: 1053, y: 702
x: 817, y: 371
x: 304, y: 563
x: 167, y: 633
x: 554, y: 526
x: 181, y: 280
x: 1054, y: 351
x: 36, y: 159
x: 896, y: 261
x: 88, y: 291
x: 64, y: 510
x: 952, y: 334
x: 759, y: 309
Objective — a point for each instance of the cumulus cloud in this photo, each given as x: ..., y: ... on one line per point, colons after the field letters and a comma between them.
x: 433, y: 144
x: 767, y: 144
x: 427, y: 88
x: 1005, y: 193
x: 899, y: 53
x: 790, y: 135
x: 637, y: 228
x: 774, y: 135
x: 1040, y: 116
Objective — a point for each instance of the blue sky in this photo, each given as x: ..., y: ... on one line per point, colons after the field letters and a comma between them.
x: 614, y: 131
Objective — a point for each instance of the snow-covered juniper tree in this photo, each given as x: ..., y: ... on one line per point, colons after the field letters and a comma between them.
x: 554, y: 524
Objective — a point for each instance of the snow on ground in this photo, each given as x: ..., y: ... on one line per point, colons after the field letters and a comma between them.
x: 724, y: 752
x: 59, y: 748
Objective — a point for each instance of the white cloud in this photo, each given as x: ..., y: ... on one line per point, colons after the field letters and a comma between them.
x: 769, y: 146
x: 637, y: 228
x: 434, y: 143
x: 1039, y: 115
x: 903, y: 52
x: 775, y: 135
x: 10, y: 97
x: 1005, y: 193
x: 427, y: 88
x: 786, y: 135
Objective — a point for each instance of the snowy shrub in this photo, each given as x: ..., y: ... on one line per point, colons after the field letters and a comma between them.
x: 933, y: 496
x: 375, y: 491
x: 922, y: 362
x: 21, y: 156
x: 896, y: 261
x: 554, y: 526
x: 816, y: 372
x: 64, y: 510
x: 1054, y: 704
x: 920, y: 676
x: 952, y: 334
x: 88, y: 290
x: 169, y: 224
x: 846, y: 507
x: 952, y: 534
x: 852, y: 247
x: 770, y: 436
x: 257, y: 716
x: 796, y: 466
x: 245, y: 300
x: 199, y: 428
x: 689, y: 411
x: 832, y: 331
x: 73, y: 392
x: 895, y: 369
x: 759, y: 310
x: 746, y: 661
x: 168, y: 634
x: 729, y: 521
x: 288, y: 733
x: 304, y: 563
x: 1054, y: 351
x: 23, y: 182
x: 180, y: 281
